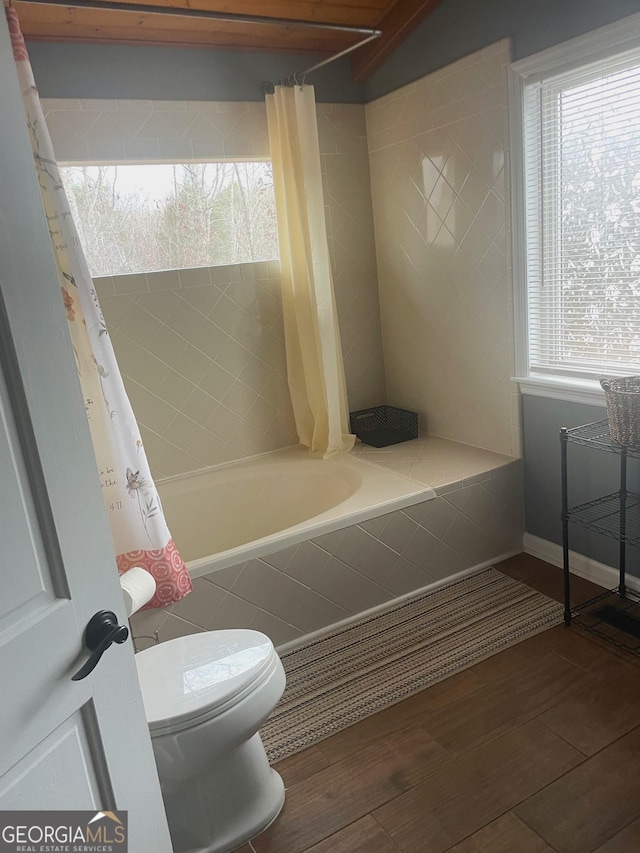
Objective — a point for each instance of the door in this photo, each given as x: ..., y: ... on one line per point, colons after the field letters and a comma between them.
x: 63, y: 745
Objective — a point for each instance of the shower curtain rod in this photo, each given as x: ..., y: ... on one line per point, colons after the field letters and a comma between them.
x: 370, y: 33
x: 205, y: 14
x: 374, y: 34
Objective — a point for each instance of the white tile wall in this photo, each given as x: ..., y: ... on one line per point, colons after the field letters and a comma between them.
x: 438, y: 158
x: 347, y: 194
x: 210, y: 385
x: 203, y: 362
x: 317, y: 583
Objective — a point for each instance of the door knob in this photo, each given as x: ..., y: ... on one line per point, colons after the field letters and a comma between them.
x: 102, y: 630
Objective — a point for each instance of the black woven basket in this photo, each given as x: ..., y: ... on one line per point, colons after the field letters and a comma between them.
x: 384, y: 425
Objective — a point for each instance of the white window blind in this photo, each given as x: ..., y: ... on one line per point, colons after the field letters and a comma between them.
x: 582, y: 188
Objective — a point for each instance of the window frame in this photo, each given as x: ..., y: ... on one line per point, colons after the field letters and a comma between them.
x: 604, y: 42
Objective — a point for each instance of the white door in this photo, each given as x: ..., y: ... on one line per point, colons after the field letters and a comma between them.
x: 63, y: 745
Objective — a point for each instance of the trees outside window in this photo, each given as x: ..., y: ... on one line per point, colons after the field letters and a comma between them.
x: 142, y: 218
x: 582, y: 175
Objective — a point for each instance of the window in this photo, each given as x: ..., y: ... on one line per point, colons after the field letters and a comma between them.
x: 143, y: 218
x: 581, y: 139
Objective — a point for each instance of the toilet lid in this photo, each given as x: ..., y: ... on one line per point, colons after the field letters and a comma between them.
x: 193, y: 676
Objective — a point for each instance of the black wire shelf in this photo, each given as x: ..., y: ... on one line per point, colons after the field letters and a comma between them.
x: 613, y: 618
x: 597, y: 435
x: 604, y: 516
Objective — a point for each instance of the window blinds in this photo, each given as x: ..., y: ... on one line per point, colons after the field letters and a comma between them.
x: 582, y: 188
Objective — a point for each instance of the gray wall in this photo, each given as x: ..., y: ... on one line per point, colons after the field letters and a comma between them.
x: 459, y: 27
x: 74, y: 70
x: 454, y: 29
x: 592, y: 473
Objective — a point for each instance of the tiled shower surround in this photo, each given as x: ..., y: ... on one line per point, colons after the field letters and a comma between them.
x: 201, y: 350
x: 317, y: 583
x: 203, y: 355
x: 438, y: 153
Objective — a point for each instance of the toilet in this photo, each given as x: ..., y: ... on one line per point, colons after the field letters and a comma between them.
x: 205, y: 696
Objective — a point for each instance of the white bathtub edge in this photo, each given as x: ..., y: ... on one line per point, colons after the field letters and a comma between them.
x: 292, y: 644
x: 232, y: 463
x: 277, y: 542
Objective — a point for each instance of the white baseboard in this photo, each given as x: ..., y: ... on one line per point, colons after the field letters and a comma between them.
x: 584, y: 567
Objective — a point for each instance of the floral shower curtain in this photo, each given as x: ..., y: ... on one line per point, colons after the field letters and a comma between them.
x: 315, y: 369
x: 140, y: 534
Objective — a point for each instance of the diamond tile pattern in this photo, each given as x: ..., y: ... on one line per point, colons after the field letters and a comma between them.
x: 204, y: 392
x: 202, y: 350
x: 347, y: 196
x: 319, y: 582
x: 438, y: 150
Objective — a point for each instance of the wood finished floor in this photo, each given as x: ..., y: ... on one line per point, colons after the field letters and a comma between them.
x: 534, y: 750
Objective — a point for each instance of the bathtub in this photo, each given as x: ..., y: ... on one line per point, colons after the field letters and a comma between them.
x: 291, y: 545
x: 234, y: 513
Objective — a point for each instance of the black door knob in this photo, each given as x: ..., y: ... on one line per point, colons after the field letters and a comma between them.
x: 102, y: 630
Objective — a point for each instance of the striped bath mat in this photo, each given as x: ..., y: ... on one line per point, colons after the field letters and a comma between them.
x: 338, y: 679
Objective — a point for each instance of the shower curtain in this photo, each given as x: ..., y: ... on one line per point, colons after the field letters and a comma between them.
x: 314, y: 355
x: 140, y: 534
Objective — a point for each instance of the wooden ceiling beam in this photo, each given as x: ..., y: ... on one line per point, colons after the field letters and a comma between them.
x: 107, y: 25
x: 396, y: 25
x: 314, y: 21
x: 296, y: 30
x: 154, y: 29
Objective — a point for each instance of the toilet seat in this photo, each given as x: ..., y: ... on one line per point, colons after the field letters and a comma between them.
x: 191, y: 679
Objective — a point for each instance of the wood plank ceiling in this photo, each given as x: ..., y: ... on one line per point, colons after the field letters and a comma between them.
x: 396, y: 19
